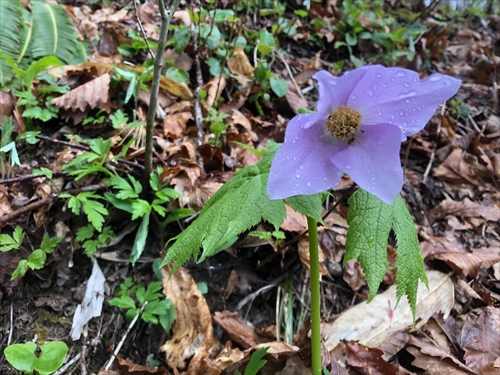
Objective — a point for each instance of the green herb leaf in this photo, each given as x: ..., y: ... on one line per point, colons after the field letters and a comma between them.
x: 370, y: 221
x: 248, y: 190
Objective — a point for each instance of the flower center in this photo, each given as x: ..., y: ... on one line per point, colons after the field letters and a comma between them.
x: 343, y: 123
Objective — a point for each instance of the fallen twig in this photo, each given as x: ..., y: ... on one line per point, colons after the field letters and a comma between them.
x: 30, y: 177
x: 85, y: 148
x: 42, y: 202
x: 122, y: 341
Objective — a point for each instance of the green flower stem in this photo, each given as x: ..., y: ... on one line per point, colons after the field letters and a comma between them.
x: 315, y: 297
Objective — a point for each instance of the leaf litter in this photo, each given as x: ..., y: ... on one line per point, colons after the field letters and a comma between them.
x: 452, y: 171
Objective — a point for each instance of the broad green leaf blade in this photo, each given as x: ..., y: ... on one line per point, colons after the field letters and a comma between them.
x: 52, y: 357
x: 10, y: 19
x: 409, y: 260
x: 370, y: 221
x: 21, y: 356
x: 53, y: 32
x: 140, y: 239
x: 236, y: 207
x: 307, y: 205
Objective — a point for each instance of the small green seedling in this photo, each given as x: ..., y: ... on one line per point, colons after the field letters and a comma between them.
x: 157, y: 310
x: 23, y: 358
x: 256, y: 362
x: 36, y: 260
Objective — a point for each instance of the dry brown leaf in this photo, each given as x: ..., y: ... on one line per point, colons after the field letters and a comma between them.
x: 239, y: 332
x: 213, y: 88
x: 5, y: 206
x: 394, y: 343
x: 465, y: 208
x: 192, y: 330
x: 305, y: 257
x: 175, y: 88
x: 294, y: 221
x: 371, y: 324
x: 174, y: 125
x: 353, y: 275
x: 130, y: 368
x: 276, y: 355
x: 295, y: 101
x: 367, y: 360
x: 93, y: 94
x: 7, y: 103
x: 480, y: 337
x: 467, y: 264
x: 240, y: 67
x: 436, y: 364
x: 456, y: 169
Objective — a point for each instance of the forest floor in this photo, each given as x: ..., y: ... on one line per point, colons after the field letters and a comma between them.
x: 254, y: 71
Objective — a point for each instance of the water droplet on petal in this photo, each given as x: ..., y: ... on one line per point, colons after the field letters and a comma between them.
x: 406, y: 84
x: 392, y: 117
x: 370, y: 92
x: 324, y: 178
x: 294, y: 158
x: 408, y: 94
x: 393, y: 79
x: 379, y: 75
x: 401, y: 74
x: 348, y: 167
x: 434, y: 78
x: 401, y: 113
x: 301, y: 167
x: 308, y: 184
x: 407, y: 100
x: 297, y: 175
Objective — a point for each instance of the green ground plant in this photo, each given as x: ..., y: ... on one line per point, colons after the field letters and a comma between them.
x: 36, y: 260
x: 148, y: 302
x: 23, y: 358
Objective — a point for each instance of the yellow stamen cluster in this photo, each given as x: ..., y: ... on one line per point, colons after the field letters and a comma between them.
x: 343, y: 122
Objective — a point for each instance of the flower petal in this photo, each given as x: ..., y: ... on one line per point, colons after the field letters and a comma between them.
x: 302, y: 164
x: 335, y: 91
x: 372, y: 160
x: 398, y: 96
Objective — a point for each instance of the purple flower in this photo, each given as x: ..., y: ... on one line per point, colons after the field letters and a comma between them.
x: 362, y: 117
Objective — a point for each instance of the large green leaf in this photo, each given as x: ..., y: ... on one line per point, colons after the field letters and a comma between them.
x: 236, y: 207
x: 370, y: 221
x: 53, y: 32
x: 10, y: 20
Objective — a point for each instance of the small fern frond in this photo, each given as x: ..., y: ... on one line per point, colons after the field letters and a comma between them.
x: 53, y: 31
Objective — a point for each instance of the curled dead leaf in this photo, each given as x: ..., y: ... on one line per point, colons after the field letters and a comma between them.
x: 92, y: 94
x: 192, y: 330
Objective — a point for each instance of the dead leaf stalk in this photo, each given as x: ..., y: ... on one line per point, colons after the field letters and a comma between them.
x: 63, y: 369
x: 166, y: 16
x: 122, y: 341
x: 299, y: 91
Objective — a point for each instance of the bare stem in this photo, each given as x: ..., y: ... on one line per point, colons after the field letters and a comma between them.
x: 166, y: 16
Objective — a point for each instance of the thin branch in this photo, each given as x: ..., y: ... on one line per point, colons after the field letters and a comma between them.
x: 42, y: 202
x: 84, y: 148
x: 299, y: 91
x: 122, y: 341
x: 166, y: 16
x: 143, y: 32
x: 30, y: 177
